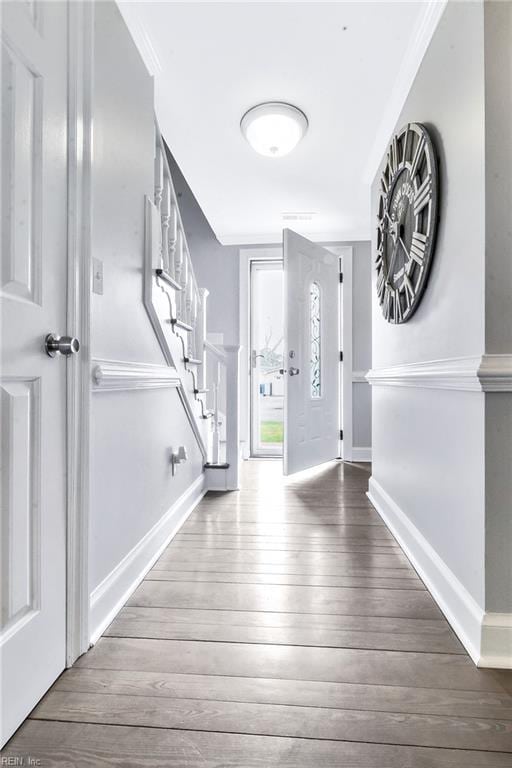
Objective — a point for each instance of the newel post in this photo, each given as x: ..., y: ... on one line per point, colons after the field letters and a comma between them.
x: 232, y: 417
x: 200, y: 332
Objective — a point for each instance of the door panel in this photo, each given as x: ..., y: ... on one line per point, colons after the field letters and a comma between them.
x: 32, y: 385
x: 311, y: 299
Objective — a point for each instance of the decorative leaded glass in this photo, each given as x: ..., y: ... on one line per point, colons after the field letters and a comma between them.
x: 314, y: 333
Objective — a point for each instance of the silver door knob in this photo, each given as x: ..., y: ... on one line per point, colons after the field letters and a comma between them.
x: 293, y: 371
x: 61, y: 345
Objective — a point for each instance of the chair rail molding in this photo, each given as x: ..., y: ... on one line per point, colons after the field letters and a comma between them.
x: 119, y: 376
x: 481, y: 373
x: 109, y: 375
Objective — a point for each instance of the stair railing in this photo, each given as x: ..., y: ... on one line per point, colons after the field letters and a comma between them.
x: 213, y: 369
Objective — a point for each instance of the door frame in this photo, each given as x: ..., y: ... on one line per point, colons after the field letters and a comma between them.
x: 252, y: 452
x: 345, y: 252
x: 275, y: 253
x: 247, y: 255
x: 79, y: 213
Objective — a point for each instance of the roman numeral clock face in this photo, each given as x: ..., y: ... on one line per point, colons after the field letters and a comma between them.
x: 407, y: 219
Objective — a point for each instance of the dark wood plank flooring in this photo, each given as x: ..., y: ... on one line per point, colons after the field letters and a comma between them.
x: 283, y: 626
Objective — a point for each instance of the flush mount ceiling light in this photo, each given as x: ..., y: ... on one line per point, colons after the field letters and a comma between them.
x: 274, y: 128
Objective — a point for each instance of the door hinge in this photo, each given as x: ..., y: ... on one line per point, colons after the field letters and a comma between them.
x: 341, y: 434
x: 341, y: 356
x: 341, y: 277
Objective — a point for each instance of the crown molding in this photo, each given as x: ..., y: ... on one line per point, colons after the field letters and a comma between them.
x: 131, y: 16
x: 420, y: 39
x: 482, y: 373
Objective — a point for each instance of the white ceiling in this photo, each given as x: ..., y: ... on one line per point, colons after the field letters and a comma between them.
x: 347, y: 65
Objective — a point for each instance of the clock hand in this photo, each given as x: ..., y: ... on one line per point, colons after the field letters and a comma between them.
x: 392, y: 260
x: 404, y: 247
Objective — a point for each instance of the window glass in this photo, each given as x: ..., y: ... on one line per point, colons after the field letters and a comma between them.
x: 314, y: 335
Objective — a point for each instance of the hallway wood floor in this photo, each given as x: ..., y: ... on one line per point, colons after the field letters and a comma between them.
x: 283, y: 626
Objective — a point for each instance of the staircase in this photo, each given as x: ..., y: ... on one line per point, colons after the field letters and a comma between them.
x: 177, y: 309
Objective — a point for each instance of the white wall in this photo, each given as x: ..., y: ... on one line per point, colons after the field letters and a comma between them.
x: 132, y: 431
x: 430, y: 477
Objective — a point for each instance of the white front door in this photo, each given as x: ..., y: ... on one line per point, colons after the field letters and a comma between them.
x: 311, y: 353
x: 32, y: 384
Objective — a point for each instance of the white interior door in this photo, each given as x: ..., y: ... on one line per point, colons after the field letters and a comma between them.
x: 32, y: 384
x: 311, y: 395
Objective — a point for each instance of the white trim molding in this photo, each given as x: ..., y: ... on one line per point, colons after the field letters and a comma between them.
x: 346, y: 374
x: 79, y: 211
x: 496, y: 648
x: 109, y: 375
x: 132, y: 17
x: 486, y: 637
x: 481, y: 373
x: 495, y: 373
x: 246, y: 256
x: 359, y: 377
x: 111, y: 594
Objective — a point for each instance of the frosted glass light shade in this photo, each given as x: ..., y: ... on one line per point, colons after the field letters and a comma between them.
x: 274, y: 129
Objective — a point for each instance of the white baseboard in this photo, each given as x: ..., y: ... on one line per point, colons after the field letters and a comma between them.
x: 496, y: 648
x: 487, y: 637
x: 113, y: 592
x: 361, y: 454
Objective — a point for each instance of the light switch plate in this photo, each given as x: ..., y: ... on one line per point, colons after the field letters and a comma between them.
x: 97, y: 276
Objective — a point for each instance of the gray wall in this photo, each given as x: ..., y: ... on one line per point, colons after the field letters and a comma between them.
x: 498, y: 300
x: 131, y: 431
x: 448, y: 96
x: 444, y: 456
x: 215, y: 265
x: 498, y: 176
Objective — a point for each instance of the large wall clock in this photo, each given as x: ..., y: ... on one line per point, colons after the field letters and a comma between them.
x: 407, y: 220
